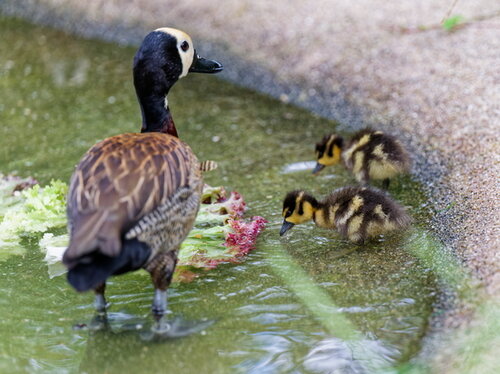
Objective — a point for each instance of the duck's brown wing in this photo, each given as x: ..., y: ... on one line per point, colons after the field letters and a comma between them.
x: 120, y: 180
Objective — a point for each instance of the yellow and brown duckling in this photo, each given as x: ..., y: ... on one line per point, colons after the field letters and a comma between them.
x: 357, y: 213
x: 368, y: 155
x: 134, y: 197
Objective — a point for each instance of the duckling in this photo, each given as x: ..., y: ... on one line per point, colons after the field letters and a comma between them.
x: 369, y: 155
x: 358, y: 213
x: 133, y: 198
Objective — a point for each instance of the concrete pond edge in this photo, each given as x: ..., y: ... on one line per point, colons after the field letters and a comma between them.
x: 455, y: 320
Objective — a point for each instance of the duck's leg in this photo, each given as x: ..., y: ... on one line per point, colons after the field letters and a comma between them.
x: 385, y: 183
x: 162, y: 269
x: 161, y: 275
x: 100, y: 300
x: 100, y: 320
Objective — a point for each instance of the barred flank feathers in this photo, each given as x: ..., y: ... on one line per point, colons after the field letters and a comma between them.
x: 208, y: 166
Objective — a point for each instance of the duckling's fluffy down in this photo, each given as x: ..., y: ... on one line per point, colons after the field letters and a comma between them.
x: 374, y: 155
x: 360, y: 212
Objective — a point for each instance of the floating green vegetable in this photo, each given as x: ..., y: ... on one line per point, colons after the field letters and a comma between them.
x: 25, y: 209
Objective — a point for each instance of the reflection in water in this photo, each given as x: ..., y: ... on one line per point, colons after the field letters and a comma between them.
x: 332, y: 355
x: 298, y: 166
x: 75, y: 92
x: 336, y: 356
x: 271, y: 351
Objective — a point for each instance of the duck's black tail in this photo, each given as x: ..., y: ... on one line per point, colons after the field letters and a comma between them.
x: 93, y: 269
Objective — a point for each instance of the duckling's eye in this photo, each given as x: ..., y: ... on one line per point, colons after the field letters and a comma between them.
x: 185, y: 46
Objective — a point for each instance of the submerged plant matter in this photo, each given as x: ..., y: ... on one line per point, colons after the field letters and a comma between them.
x: 220, y: 234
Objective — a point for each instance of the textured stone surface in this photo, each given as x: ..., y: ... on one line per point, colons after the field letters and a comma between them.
x: 386, y: 64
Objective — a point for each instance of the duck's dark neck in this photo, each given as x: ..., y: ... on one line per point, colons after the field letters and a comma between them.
x: 156, y: 116
x: 152, y: 85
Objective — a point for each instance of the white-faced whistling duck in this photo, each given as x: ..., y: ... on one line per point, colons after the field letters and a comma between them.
x: 134, y: 197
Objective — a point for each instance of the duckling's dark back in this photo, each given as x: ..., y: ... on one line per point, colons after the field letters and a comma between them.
x: 375, y: 155
x: 362, y: 212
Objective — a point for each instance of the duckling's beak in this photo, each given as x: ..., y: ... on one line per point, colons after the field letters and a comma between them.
x: 202, y: 65
x: 286, y: 226
x: 318, y: 168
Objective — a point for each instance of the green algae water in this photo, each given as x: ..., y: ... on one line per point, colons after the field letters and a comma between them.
x: 282, y: 310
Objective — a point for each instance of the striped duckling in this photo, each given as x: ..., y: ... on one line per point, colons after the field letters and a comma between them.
x: 133, y: 198
x: 368, y: 155
x: 357, y: 213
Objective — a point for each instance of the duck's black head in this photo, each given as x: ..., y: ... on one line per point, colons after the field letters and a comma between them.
x: 165, y: 56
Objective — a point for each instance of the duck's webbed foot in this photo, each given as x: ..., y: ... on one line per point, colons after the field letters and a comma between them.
x: 164, y: 329
x: 99, y: 322
x: 177, y: 327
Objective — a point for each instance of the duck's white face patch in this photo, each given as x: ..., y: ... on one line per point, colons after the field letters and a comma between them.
x: 184, y: 47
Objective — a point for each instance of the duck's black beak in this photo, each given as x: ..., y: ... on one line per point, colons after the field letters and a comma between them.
x: 202, y: 65
x: 318, y: 168
x: 286, y: 226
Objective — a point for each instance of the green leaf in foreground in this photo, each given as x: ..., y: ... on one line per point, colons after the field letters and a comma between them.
x: 29, y: 211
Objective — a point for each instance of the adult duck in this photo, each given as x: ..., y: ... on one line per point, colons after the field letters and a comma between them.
x: 134, y: 197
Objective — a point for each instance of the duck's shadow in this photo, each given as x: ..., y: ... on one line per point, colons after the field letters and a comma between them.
x: 126, y: 343
x: 122, y: 324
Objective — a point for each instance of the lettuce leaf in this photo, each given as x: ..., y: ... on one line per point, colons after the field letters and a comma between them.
x: 220, y: 234
x: 26, y: 208
x: 35, y: 210
x: 54, y: 247
x: 228, y: 238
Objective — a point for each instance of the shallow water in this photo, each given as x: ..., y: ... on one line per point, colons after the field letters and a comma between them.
x: 60, y: 94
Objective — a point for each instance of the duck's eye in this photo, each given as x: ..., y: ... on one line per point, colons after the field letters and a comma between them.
x: 185, y: 46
